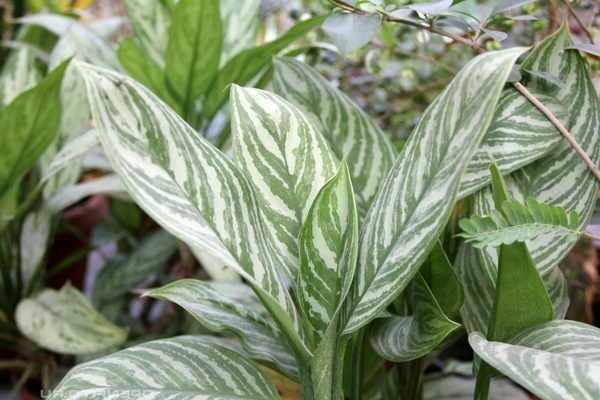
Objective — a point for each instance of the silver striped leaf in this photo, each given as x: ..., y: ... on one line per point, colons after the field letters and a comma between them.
x: 415, y: 200
x: 218, y: 312
x: 19, y: 73
x: 286, y: 158
x: 518, y: 135
x: 65, y: 322
x: 240, y: 26
x: 328, y: 249
x: 188, y: 186
x: 351, y: 133
x: 405, y: 338
x: 150, y: 21
x: 558, y: 360
x: 181, y: 368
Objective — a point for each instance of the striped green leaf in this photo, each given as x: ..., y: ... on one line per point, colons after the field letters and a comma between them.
x: 19, y: 74
x: 405, y: 338
x: 194, y: 48
x: 328, y: 249
x: 188, y: 186
x: 287, y: 160
x: 259, y: 336
x: 33, y: 243
x: 185, y: 367
x: 415, y: 200
x: 150, y: 21
x: 65, y: 322
x: 518, y: 135
x: 240, y: 26
x: 555, y: 361
x: 117, y: 278
x: 517, y: 223
x: 350, y: 132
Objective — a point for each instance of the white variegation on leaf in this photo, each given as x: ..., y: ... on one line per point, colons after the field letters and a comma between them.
x: 287, y: 160
x: 150, y: 21
x: 405, y: 338
x: 189, y: 187
x: 19, y: 73
x: 65, y: 322
x: 258, y: 334
x: 185, y: 367
x: 350, y: 132
x: 556, y: 361
x: 240, y: 26
x: 416, y: 198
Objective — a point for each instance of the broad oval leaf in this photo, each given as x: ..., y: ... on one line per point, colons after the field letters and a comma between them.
x: 65, y: 322
x: 350, y: 132
x: 287, y: 160
x: 259, y: 336
x: 405, y: 338
x: 185, y: 367
x: 328, y: 248
x: 188, y: 186
x: 557, y: 360
x: 416, y: 198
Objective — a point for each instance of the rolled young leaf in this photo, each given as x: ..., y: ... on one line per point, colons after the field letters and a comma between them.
x: 184, y: 367
x: 349, y: 130
x: 416, y: 198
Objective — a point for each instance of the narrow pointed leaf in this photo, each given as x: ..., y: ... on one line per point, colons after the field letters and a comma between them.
x: 328, y: 248
x: 416, y: 198
x: 188, y: 186
x: 65, y: 322
x: 184, y: 367
x: 351, y: 133
x: 442, y: 280
x: 259, y: 336
x: 405, y: 338
x: 150, y: 21
x: 287, y: 160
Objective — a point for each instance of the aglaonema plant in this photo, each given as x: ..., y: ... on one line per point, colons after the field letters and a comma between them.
x: 344, y: 247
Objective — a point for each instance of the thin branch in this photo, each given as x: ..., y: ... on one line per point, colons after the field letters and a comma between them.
x: 580, y: 22
x: 522, y: 89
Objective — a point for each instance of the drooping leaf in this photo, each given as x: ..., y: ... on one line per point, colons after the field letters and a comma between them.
x: 405, y: 338
x: 194, y: 48
x: 150, y: 21
x: 117, y: 278
x: 27, y: 126
x: 519, y: 135
x: 287, y: 160
x: 65, y: 322
x: 258, y: 335
x: 328, y: 248
x: 350, y: 31
x: 351, y: 133
x: 188, y: 186
x: 72, y: 150
x: 198, y: 368
x: 68, y: 195
x: 246, y: 65
x: 556, y: 360
x: 416, y: 198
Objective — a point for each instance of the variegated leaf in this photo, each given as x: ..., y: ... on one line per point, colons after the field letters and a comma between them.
x: 181, y: 368
x: 519, y: 134
x: 259, y: 335
x: 19, y: 73
x: 350, y: 132
x: 65, y: 322
x: 416, y: 198
x: 34, y: 236
x: 558, y: 360
x: 287, y: 160
x: 405, y: 338
x: 240, y: 26
x: 150, y: 21
x: 68, y: 195
x: 328, y: 244
x: 188, y: 186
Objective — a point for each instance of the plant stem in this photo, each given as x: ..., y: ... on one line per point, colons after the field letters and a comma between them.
x: 580, y: 22
x: 484, y: 379
x: 477, y: 47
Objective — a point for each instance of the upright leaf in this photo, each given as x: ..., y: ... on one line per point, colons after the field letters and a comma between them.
x: 416, y: 198
x: 328, y: 248
x: 287, y: 160
x: 442, y: 280
x: 188, y: 186
x: 27, y: 126
x: 220, y: 313
x: 150, y: 21
x: 200, y: 368
x: 194, y: 48
x: 19, y: 73
x: 240, y: 26
x: 65, y: 322
x: 349, y: 131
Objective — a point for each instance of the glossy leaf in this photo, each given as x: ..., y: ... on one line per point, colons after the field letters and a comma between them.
x: 350, y: 132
